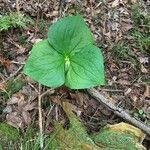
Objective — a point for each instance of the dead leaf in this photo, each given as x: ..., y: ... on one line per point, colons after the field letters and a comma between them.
x: 75, y: 109
x: 81, y: 98
x: 147, y: 91
x: 2, y: 87
x: 127, y: 128
x: 8, y: 109
x: 143, y: 69
x: 5, y: 62
x: 125, y: 27
x: 71, y: 1
x: 14, y: 120
x: 26, y: 116
x: 127, y: 91
x: 90, y: 147
x: 16, y: 99
x: 18, y: 116
x: 115, y: 3
x: 143, y: 60
x: 30, y: 106
x: 123, y: 82
x: 126, y: 136
x: 133, y: 1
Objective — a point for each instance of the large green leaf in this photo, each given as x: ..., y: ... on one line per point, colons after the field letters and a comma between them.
x: 45, y: 65
x: 67, y: 57
x: 86, y: 68
x: 69, y: 35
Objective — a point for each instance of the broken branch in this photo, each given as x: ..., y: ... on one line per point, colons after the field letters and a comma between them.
x: 118, y: 111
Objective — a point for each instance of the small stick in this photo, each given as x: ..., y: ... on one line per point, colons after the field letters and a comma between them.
x: 14, y: 74
x: 51, y: 91
x: 118, y: 111
x: 40, y: 117
x: 37, y: 20
x: 17, y: 7
x: 16, y: 62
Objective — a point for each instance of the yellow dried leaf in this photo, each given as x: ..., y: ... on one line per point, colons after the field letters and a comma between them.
x: 90, y: 147
x: 127, y: 128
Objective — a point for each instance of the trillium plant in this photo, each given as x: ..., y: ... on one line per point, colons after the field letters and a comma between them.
x: 68, y: 57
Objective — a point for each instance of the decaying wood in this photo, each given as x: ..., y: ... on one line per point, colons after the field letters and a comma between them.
x: 118, y: 111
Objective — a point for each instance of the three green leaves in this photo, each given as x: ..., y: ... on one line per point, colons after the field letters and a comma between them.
x: 67, y: 57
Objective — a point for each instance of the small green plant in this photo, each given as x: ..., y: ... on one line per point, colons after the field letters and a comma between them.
x: 141, y: 19
x: 122, y: 52
x: 141, y: 30
x: 140, y: 114
x: 14, y: 20
x: 67, y: 57
x: 142, y: 41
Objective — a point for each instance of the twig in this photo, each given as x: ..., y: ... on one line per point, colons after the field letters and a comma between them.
x: 61, y: 3
x: 40, y: 117
x: 32, y: 86
x: 51, y: 91
x: 2, y: 77
x: 14, y: 74
x: 37, y: 20
x: 98, y: 5
x: 40, y: 112
x: 17, y: 7
x: 56, y: 109
x: 118, y: 111
x: 112, y: 90
x: 16, y: 62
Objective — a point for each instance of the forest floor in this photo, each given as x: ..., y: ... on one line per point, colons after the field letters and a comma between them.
x: 121, y: 29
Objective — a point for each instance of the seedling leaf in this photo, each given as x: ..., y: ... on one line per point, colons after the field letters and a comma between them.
x: 69, y: 35
x: 86, y: 69
x: 45, y: 65
x: 67, y: 57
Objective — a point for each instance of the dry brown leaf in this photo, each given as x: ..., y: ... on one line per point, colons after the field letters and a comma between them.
x: 90, y: 147
x: 125, y: 27
x: 5, y: 63
x: 105, y: 111
x: 2, y: 87
x: 147, y: 91
x: 71, y: 1
x: 26, y: 116
x: 8, y: 109
x: 14, y: 120
x: 123, y: 82
x: 81, y: 98
x: 75, y: 109
x: 30, y: 106
x: 143, y: 60
x: 16, y: 99
x: 127, y: 91
x: 143, y: 69
x: 115, y: 3
x: 133, y: 1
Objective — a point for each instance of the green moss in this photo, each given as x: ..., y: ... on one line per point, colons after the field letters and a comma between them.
x: 71, y: 139
x: 114, y: 140
x: 14, y: 20
x: 122, y: 51
x: 141, y: 29
x: 8, y: 137
x: 8, y: 132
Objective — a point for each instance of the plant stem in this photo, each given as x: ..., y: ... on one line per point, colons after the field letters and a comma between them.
x: 40, y: 117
